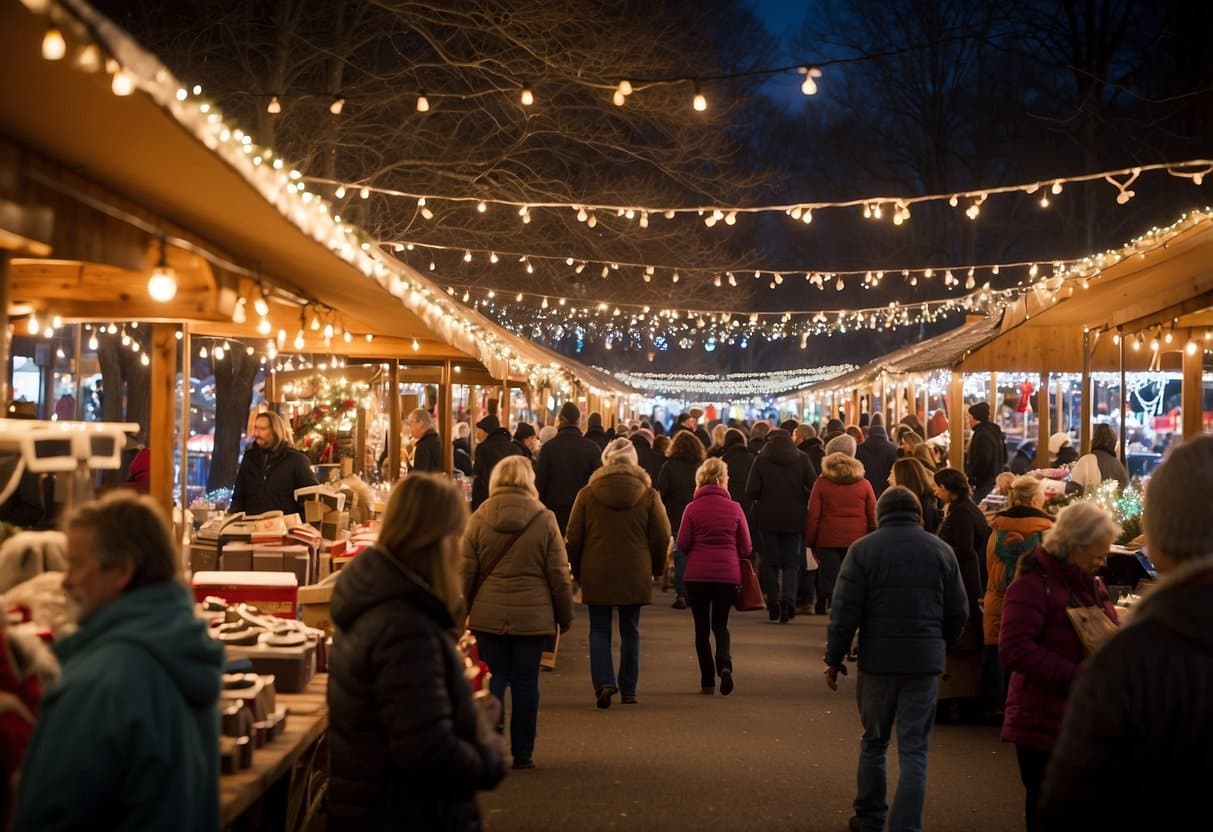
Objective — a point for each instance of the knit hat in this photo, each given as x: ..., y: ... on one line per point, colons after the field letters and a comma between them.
x: 523, y: 431
x: 489, y: 424
x: 834, y: 426
x: 877, y: 419
x: 897, y: 498
x: 980, y: 411
x: 594, y: 420
x: 645, y: 434
x: 682, y: 417
x: 842, y: 444
x: 1058, y: 441
x: 696, y: 412
x: 1177, y: 517
x: 546, y: 433
x: 788, y: 424
x: 570, y: 414
x: 618, y: 451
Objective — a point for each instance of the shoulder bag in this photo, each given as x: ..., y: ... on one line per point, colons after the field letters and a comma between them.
x: 1092, y: 624
x: 480, y: 579
x: 749, y: 596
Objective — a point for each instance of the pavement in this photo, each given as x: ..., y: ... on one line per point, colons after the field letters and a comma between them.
x: 778, y: 754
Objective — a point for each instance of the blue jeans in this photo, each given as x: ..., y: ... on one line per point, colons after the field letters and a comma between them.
x: 829, y: 563
x: 782, y: 559
x: 910, y: 702
x: 514, y: 663
x: 602, y: 666
x: 680, y: 570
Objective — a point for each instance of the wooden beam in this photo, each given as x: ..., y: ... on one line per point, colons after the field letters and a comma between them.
x: 394, y: 420
x: 1088, y: 394
x: 160, y: 429
x: 1193, y: 393
x: 1043, y: 431
x: 956, y: 421
x: 5, y: 257
x: 446, y: 414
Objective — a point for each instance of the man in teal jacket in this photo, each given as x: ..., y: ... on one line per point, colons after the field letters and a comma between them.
x: 130, y: 737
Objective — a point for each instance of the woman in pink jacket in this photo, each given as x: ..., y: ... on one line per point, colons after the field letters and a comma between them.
x: 842, y: 509
x: 715, y: 537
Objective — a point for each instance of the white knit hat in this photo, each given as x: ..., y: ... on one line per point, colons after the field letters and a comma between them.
x: 844, y: 444
x: 1177, y: 517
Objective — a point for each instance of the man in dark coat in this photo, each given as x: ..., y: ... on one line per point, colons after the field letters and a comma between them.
x: 740, y: 459
x: 647, y: 458
x: 877, y: 454
x: 987, y: 451
x: 526, y: 440
x: 271, y: 470
x: 810, y: 444
x: 834, y: 427
x: 900, y: 587
x: 564, y: 465
x: 493, y: 444
x: 758, y: 435
x: 427, y: 447
x: 595, y: 432
x: 698, y: 428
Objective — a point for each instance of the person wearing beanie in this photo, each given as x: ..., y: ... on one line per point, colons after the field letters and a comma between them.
x: 698, y: 428
x: 1146, y: 689
x: 789, y: 425
x: 900, y: 588
x: 594, y: 430
x: 841, y: 444
x: 569, y: 414
x: 807, y: 440
x: 493, y: 444
x: 526, y: 440
x: 647, y: 458
x: 546, y: 434
x: 987, y: 456
x: 877, y: 454
x: 564, y: 465
x: 617, y: 538
x: 1061, y: 452
x: 842, y: 509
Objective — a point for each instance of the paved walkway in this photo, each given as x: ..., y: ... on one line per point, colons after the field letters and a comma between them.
x: 779, y: 754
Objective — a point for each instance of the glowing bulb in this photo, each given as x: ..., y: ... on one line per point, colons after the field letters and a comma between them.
x: 274, y: 107
x: 365, y: 192
x: 1056, y: 189
x: 481, y: 206
x: 337, y: 106
x: 1191, y: 348
x: 493, y: 258
x: 618, y: 98
x: 467, y: 256
x: 202, y: 353
x: 1168, y: 337
x: 298, y: 342
x: 54, y: 47
x: 699, y: 102
x: 423, y: 104
x: 162, y: 285
x: 92, y: 343
x: 264, y: 327
x: 528, y: 96
x: 416, y: 345
x: 123, y: 83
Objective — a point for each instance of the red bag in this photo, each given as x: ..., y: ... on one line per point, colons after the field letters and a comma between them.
x: 749, y: 596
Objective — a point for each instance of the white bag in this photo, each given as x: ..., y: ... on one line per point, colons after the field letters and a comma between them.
x: 810, y: 562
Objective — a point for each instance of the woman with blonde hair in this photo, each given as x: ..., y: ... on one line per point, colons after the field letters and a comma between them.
x: 518, y: 588
x: 408, y: 746
x: 715, y: 536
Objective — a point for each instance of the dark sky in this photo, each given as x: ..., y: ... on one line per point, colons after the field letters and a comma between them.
x: 780, y: 16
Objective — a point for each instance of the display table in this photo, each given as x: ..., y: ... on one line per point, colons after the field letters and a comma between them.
x: 274, y: 786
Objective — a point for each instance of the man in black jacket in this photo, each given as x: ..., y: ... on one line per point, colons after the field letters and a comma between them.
x: 987, y: 451
x: 427, y: 447
x: 877, y: 454
x: 594, y: 431
x: 493, y: 444
x: 271, y: 470
x: 526, y: 440
x: 647, y: 458
x: 564, y: 465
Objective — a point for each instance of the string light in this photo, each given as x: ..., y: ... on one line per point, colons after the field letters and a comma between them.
x: 337, y: 106
x: 699, y: 102
x: 527, y: 96
x: 54, y: 47
x: 274, y: 107
x: 423, y: 104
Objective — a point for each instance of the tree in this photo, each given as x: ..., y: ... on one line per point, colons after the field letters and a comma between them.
x: 234, y: 376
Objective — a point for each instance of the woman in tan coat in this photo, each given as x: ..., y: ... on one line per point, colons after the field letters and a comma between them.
x: 617, y: 538
x: 516, y: 577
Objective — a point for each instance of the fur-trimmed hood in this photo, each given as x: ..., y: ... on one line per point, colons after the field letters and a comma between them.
x: 619, y: 485
x: 841, y: 468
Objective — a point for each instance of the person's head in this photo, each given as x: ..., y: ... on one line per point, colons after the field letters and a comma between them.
x: 513, y: 473
x: 909, y: 440
x: 1082, y: 535
x: 1103, y: 436
x: 804, y: 432
x: 686, y: 446
x: 898, y: 499
x: 419, y: 421
x: 422, y: 526
x: 644, y: 435
x: 924, y: 453
x: 116, y: 544
x: 789, y: 425
x: 570, y: 414
x: 594, y: 420
x: 877, y: 420
x: 734, y: 436
x: 834, y: 426
x: 718, y: 433
x: 271, y: 431
x: 489, y: 424
x: 910, y: 473
x: 1178, y: 523
x: 1025, y: 491
x: 462, y: 429
x: 547, y: 433
x: 661, y: 444
x: 1056, y: 442
x: 843, y: 443
x: 760, y: 430
x: 952, y: 485
x: 713, y: 471
x: 855, y: 432
x: 979, y: 412
x: 621, y: 451
x: 524, y: 435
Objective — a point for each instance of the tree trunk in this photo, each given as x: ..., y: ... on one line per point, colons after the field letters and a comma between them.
x: 234, y: 377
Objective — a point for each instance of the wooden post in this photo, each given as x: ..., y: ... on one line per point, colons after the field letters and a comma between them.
x: 160, y: 428
x: 956, y: 420
x: 1043, y: 431
x: 1087, y: 404
x: 853, y: 416
x: 503, y: 409
x: 993, y: 398
x: 912, y: 400
x: 1124, y: 401
x: 5, y: 373
x: 393, y: 420
x: 183, y: 435
x: 446, y: 414
x: 1059, y: 407
x: 1193, y: 392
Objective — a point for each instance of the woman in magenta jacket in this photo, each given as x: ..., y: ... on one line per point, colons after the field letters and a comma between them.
x: 842, y: 509
x: 715, y: 536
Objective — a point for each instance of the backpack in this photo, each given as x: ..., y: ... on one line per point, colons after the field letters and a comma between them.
x: 1010, y: 551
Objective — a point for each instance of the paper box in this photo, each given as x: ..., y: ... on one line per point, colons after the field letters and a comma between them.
x: 204, y: 557
x: 334, y: 523
x: 237, y: 557
x: 314, y: 511
x: 267, y: 559
x: 314, y: 606
x: 271, y: 592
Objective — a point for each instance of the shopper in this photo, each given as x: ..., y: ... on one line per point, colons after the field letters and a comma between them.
x: 900, y: 587
x: 1061, y: 451
x: 594, y: 430
x: 1134, y: 749
x: 565, y: 464
x: 517, y: 573
x: 617, y: 538
x: 462, y: 446
x: 964, y: 528
x: 715, y: 537
x: 130, y: 737
x: 676, y: 485
x: 1037, y: 642
x: 842, y: 509
x: 526, y: 441
x: 739, y: 459
x: 648, y: 458
x: 987, y: 451
x: 912, y: 474
x: 271, y: 470
x: 1101, y: 464
x: 427, y: 447
x: 408, y: 747
x: 877, y: 454
x: 807, y: 440
x: 493, y: 444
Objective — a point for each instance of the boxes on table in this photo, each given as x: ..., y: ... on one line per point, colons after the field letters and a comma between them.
x: 317, y: 501
x: 204, y: 556
x: 275, y: 593
x: 314, y: 606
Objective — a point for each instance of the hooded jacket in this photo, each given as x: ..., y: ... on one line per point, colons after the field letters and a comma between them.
x: 403, y: 729
x: 779, y: 483
x: 266, y: 480
x: 650, y: 460
x: 617, y: 536
x: 877, y: 454
x: 815, y: 449
x: 987, y: 457
x: 676, y: 485
x: 564, y: 465
x: 130, y: 737
x: 530, y: 590
x: 1138, y: 722
x: 1013, y: 533
x: 715, y: 536
x: 495, y: 447
x: 842, y: 506
x: 597, y: 435
x: 964, y: 528
x: 740, y: 459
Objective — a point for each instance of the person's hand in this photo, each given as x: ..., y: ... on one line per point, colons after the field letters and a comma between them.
x: 492, y: 710
x: 832, y: 675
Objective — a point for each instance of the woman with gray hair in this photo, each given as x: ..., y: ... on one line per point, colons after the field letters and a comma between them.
x: 1037, y: 642
x: 617, y: 537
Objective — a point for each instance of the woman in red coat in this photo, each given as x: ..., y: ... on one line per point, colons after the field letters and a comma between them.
x: 1038, y: 644
x: 842, y: 509
x: 715, y: 536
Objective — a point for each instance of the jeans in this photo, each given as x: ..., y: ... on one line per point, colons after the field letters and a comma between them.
x: 602, y: 667
x: 782, y: 560
x: 1032, y: 765
x: 680, y: 570
x: 910, y: 702
x: 829, y: 563
x: 710, y: 605
x: 514, y: 663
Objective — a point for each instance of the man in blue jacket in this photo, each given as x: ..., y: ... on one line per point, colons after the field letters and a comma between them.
x: 900, y: 587
x: 129, y: 740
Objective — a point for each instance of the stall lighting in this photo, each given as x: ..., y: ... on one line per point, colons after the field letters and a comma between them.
x: 54, y: 47
x: 162, y: 285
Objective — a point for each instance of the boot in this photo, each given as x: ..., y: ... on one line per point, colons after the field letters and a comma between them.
x: 785, y: 612
x: 773, y: 610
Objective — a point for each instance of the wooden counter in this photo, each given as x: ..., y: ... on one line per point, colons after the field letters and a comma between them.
x: 274, y: 764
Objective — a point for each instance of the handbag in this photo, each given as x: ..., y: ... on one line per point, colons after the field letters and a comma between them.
x: 480, y: 579
x: 749, y: 596
x: 1093, y: 626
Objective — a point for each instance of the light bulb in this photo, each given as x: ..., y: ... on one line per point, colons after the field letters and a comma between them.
x: 1191, y: 348
x: 423, y: 104
x: 162, y: 285
x: 699, y: 102
x: 144, y: 360
x: 274, y: 107
x: 92, y: 343
x: 365, y: 193
x: 493, y: 257
x: 618, y: 98
x: 528, y: 96
x: 337, y: 106
x: 260, y: 306
x: 467, y: 256
x: 328, y: 331
x: 298, y: 343
x: 32, y: 325
x: 625, y: 87
x: 264, y: 327
x: 340, y: 192
x: 481, y: 206
x: 218, y: 353
x: 54, y: 47
x: 123, y: 83
x: 202, y: 353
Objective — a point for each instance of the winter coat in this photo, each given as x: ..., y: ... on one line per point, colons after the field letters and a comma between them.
x: 676, y: 485
x: 779, y: 483
x: 463, y: 456
x: 1138, y: 723
x: 877, y: 454
x: 267, y: 480
x: 987, y: 457
x: 932, y: 516
x: 650, y: 460
x: 1039, y: 646
x: 842, y: 507
x: 530, y: 590
x: 740, y: 460
x: 404, y: 748
x: 1013, y: 533
x: 523, y: 450
x: 815, y: 449
x: 900, y: 587
x: 617, y: 537
x: 427, y: 452
x: 715, y: 536
x: 130, y: 737
x: 701, y: 433
x: 495, y: 447
x: 1097, y: 466
x: 964, y: 528
x: 563, y: 467
x: 598, y: 436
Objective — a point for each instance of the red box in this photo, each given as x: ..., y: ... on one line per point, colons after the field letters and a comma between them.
x: 275, y: 593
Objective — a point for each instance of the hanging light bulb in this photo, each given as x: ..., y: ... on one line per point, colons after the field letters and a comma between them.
x: 89, y: 60
x: 527, y: 96
x: 260, y: 306
x: 493, y: 258
x: 811, y: 74
x: 54, y: 47
x: 123, y: 83
x: 365, y: 192
x: 482, y: 206
x: 467, y: 256
x: 264, y: 327
x: 219, y: 353
x: 162, y: 285
x: 340, y: 192
x: 202, y: 353
x: 337, y: 106
x: 298, y: 343
x: 699, y: 102
x: 423, y: 104
x: 144, y: 360
x: 274, y: 107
